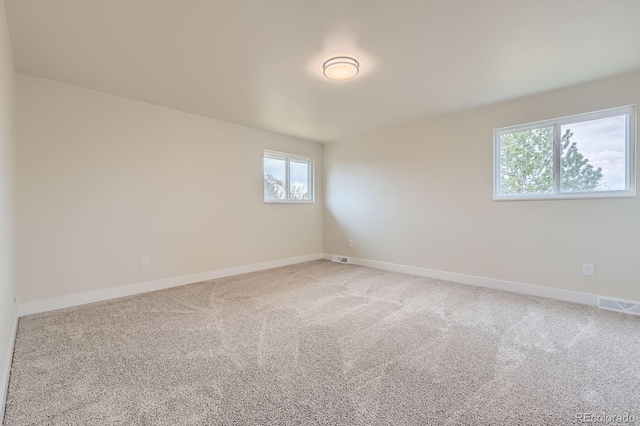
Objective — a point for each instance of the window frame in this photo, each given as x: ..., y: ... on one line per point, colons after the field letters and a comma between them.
x: 556, y: 123
x: 287, y: 161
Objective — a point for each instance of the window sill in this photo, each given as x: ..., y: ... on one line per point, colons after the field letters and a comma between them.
x: 576, y: 196
x: 291, y: 202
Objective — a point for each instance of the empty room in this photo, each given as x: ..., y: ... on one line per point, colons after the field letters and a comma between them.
x: 346, y: 213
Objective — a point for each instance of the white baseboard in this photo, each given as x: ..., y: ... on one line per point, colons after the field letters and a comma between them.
x: 116, y: 292
x: 129, y: 290
x: 6, y: 368
x: 514, y: 287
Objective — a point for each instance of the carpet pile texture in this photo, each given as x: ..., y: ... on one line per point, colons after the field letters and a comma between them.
x: 324, y: 344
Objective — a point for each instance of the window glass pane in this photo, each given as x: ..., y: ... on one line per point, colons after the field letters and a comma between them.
x: 274, y: 179
x: 594, y: 155
x: 526, y: 162
x: 299, y: 180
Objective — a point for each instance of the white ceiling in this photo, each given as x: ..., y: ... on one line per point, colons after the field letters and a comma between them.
x: 259, y: 63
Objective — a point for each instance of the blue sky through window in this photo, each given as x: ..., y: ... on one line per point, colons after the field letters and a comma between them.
x: 603, y: 142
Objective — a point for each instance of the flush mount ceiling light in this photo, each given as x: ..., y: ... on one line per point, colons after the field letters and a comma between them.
x: 341, y: 68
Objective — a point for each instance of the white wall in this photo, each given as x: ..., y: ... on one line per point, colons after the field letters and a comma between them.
x: 103, y: 180
x: 421, y: 195
x: 7, y: 205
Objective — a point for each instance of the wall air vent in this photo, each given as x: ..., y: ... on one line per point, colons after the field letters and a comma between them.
x: 340, y: 259
x: 618, y: 305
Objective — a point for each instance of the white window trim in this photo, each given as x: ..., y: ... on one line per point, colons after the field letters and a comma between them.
x: 630, y: 163
x: 287, y: 159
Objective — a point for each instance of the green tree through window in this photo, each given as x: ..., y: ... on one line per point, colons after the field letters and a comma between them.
x: 526, y: 164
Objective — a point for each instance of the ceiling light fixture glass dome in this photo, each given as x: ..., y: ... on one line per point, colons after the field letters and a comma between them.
x: 341, y: 68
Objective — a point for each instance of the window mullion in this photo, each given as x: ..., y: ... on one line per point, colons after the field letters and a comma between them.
x: 557, y: 155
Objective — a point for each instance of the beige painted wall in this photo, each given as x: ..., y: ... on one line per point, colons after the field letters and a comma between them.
x: 421, y: 195
x: 7, y: 201
x: 103, y: 180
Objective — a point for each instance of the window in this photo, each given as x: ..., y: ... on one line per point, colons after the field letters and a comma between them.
x: 287, y: 178
x: 582, y: 156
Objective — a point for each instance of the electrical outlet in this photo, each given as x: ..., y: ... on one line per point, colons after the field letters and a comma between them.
x: 144, y: 261
x: 587, y: 269
x: 350, y: 243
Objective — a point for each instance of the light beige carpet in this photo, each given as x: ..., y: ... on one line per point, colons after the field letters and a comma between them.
x: 322, y: 343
